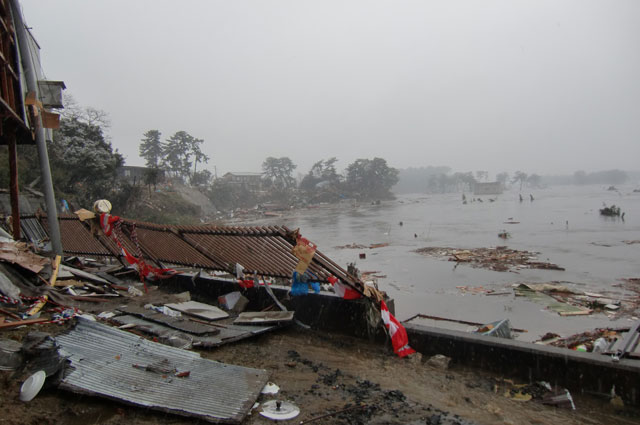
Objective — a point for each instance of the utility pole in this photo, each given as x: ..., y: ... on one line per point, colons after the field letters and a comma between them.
x: 32, y: 86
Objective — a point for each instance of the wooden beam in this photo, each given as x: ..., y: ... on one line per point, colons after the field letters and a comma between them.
x: 6, y: 325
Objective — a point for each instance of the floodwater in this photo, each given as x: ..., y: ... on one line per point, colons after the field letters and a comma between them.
x: 563, y: 224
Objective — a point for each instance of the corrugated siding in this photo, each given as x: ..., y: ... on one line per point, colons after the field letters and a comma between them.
x: 102, y: 360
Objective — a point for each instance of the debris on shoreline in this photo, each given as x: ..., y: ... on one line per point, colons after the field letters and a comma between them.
x: 499, y: 259
x: 566, y: 301
x: 584, y: 341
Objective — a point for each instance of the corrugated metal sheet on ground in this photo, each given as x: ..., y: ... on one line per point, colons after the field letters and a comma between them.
x: 179, y: 323
x: 102, y: 360
x: 228, y: 332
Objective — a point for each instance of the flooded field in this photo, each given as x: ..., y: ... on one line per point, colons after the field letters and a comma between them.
x: 562, y: 224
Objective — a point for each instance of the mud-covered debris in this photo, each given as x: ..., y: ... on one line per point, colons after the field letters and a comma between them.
x: 439, y: 361
x: 331, y: 378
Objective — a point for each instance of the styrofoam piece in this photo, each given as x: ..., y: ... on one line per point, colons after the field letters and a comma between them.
x: 32, y: 386
x: 270, y: 388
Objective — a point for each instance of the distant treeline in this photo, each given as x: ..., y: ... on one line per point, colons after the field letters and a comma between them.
x: 611, y: 177
x: 442, y: 179
x: 415, y: 180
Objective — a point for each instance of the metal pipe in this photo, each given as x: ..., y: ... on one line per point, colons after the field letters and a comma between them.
x: 15, y: 197
x: 32, y: 86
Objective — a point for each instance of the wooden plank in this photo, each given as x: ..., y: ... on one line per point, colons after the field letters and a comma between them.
x: 10, y: 314
x: 9, y: 111
x: 7, y: 325
x: 575, y: 313
x: 89, y: 299
x: 56, y: 269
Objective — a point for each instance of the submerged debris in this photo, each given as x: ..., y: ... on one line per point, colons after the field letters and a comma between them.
x: 504, y: 235
x: 611, y: 211
x: 500, y: 258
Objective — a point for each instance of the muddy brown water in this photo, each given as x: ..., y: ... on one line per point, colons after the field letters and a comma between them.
x: 563, y: 224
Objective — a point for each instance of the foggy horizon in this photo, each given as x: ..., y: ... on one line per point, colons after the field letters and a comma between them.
x: 545, y: 87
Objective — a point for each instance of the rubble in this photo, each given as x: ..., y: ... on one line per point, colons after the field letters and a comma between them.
x: 499, y: 258
x: 587, y: 339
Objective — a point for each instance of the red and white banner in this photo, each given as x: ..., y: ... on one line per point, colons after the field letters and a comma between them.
x: 107, y: 222
x: 111, y: 223
x: 342, y: 290
x: 145, y: 270
x: 397, y: 332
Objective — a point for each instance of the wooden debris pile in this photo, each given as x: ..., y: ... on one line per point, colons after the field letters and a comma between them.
x: 500, y: 258
x: 359, y: 246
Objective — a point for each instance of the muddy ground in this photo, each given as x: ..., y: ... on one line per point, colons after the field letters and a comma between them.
x: 322, y: 374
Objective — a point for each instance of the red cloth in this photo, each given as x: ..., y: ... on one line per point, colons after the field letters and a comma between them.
x: 245, y: 283
x: 397, y: 332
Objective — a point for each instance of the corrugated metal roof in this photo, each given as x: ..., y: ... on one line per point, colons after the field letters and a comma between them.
x: 265, y: 250
x: 102, y: 363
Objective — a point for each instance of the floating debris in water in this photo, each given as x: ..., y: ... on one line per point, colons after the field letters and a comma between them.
x: 499, y: 258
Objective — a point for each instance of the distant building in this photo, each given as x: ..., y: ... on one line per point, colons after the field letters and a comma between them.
x: 490, y: 188
x: 252, y: 181
x: 136, y: 175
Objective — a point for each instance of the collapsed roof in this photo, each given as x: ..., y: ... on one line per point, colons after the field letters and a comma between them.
x: 264, y: 250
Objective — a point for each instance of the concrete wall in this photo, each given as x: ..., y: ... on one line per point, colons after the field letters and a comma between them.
x: 579, y: 372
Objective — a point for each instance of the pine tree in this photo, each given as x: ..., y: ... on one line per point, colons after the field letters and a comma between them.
x: 151, y: 148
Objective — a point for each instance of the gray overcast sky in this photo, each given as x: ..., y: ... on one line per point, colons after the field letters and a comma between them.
x: 548, y: 86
